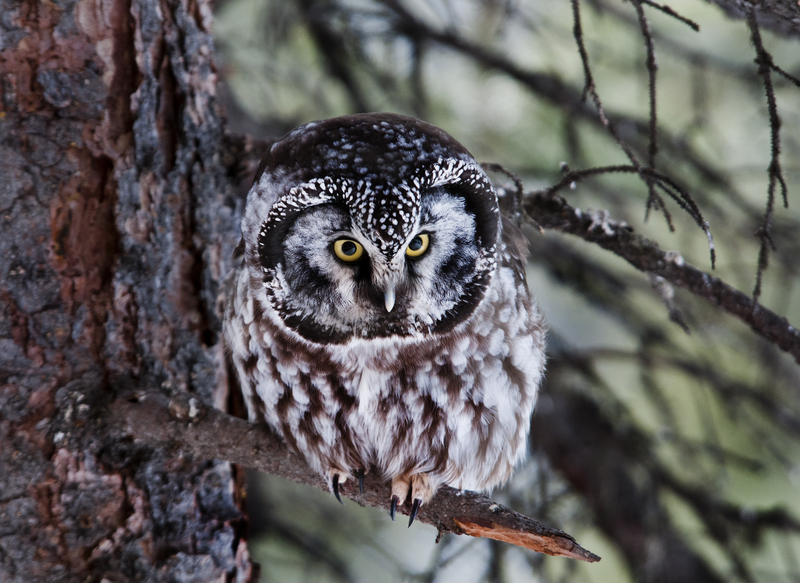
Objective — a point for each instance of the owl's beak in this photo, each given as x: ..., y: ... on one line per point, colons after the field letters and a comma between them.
x: 388, y: 297
x: 386, y: 276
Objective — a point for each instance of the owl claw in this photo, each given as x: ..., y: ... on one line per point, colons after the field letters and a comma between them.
x: 419, y: 487
x: 335, y: 485
x: 361, y: 480
x: 414, y: 510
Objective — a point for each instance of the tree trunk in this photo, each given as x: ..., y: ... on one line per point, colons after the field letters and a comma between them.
x: 119, y: 215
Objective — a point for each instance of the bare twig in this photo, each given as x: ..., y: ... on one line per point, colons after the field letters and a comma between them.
x: 652, y: 70
x: 765, y: 65
x: 519, y: 188
x: 647, y: 174
x: 669, y: 186
x: 185, y: 424
x: 553, y: 89
x: 667, y: 10
x: 653, y: 198
x: 519, y: 192
x: 788, y: 76
x: 553, y: 212
x: 590, y: 88
x: 778, y: 17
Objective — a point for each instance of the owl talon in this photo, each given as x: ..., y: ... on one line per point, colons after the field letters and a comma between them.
x: 306, y: 394
x: 414, y: 510
x: 335, y: 485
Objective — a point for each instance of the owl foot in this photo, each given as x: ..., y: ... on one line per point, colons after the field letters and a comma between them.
x: 418, y: 487
x: 360, y: 480
x: 337, y: 477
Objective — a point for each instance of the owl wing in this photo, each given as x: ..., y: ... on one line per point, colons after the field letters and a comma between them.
x: 514, y: 253
x: 238, y: 253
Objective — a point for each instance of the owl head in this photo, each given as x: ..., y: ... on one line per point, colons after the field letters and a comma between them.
x: 368, y: 226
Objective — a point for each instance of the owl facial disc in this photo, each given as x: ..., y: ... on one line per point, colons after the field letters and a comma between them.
x: 381, y: 322
x: 409, y: 197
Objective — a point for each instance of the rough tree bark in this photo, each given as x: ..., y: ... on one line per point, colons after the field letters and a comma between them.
x: 112, y: 201
x: 119, y: 206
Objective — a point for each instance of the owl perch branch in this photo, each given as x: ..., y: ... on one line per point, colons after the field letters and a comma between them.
x: 185, y: 425
x: 553, y: 212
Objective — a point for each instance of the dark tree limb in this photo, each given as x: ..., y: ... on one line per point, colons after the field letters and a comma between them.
x: 184, y: 424
x: 553, y: 212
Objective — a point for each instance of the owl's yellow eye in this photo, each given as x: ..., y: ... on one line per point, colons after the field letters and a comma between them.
x: 418, y: 245
x: 348, y: 250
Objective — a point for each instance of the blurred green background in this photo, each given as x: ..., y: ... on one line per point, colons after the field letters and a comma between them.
x: 713, y: 416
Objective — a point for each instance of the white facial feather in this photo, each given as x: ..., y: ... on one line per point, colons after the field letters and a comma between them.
x: 440, y: 389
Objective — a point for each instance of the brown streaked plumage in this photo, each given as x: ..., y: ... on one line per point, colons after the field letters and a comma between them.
x: 411, y: 346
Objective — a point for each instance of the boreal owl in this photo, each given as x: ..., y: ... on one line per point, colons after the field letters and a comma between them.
x: 381, y: 317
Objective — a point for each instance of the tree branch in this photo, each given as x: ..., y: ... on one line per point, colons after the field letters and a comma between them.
x: 185, y: 424
x: 779, y: 16
x: 554, y: 212
x: 553, y: 89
